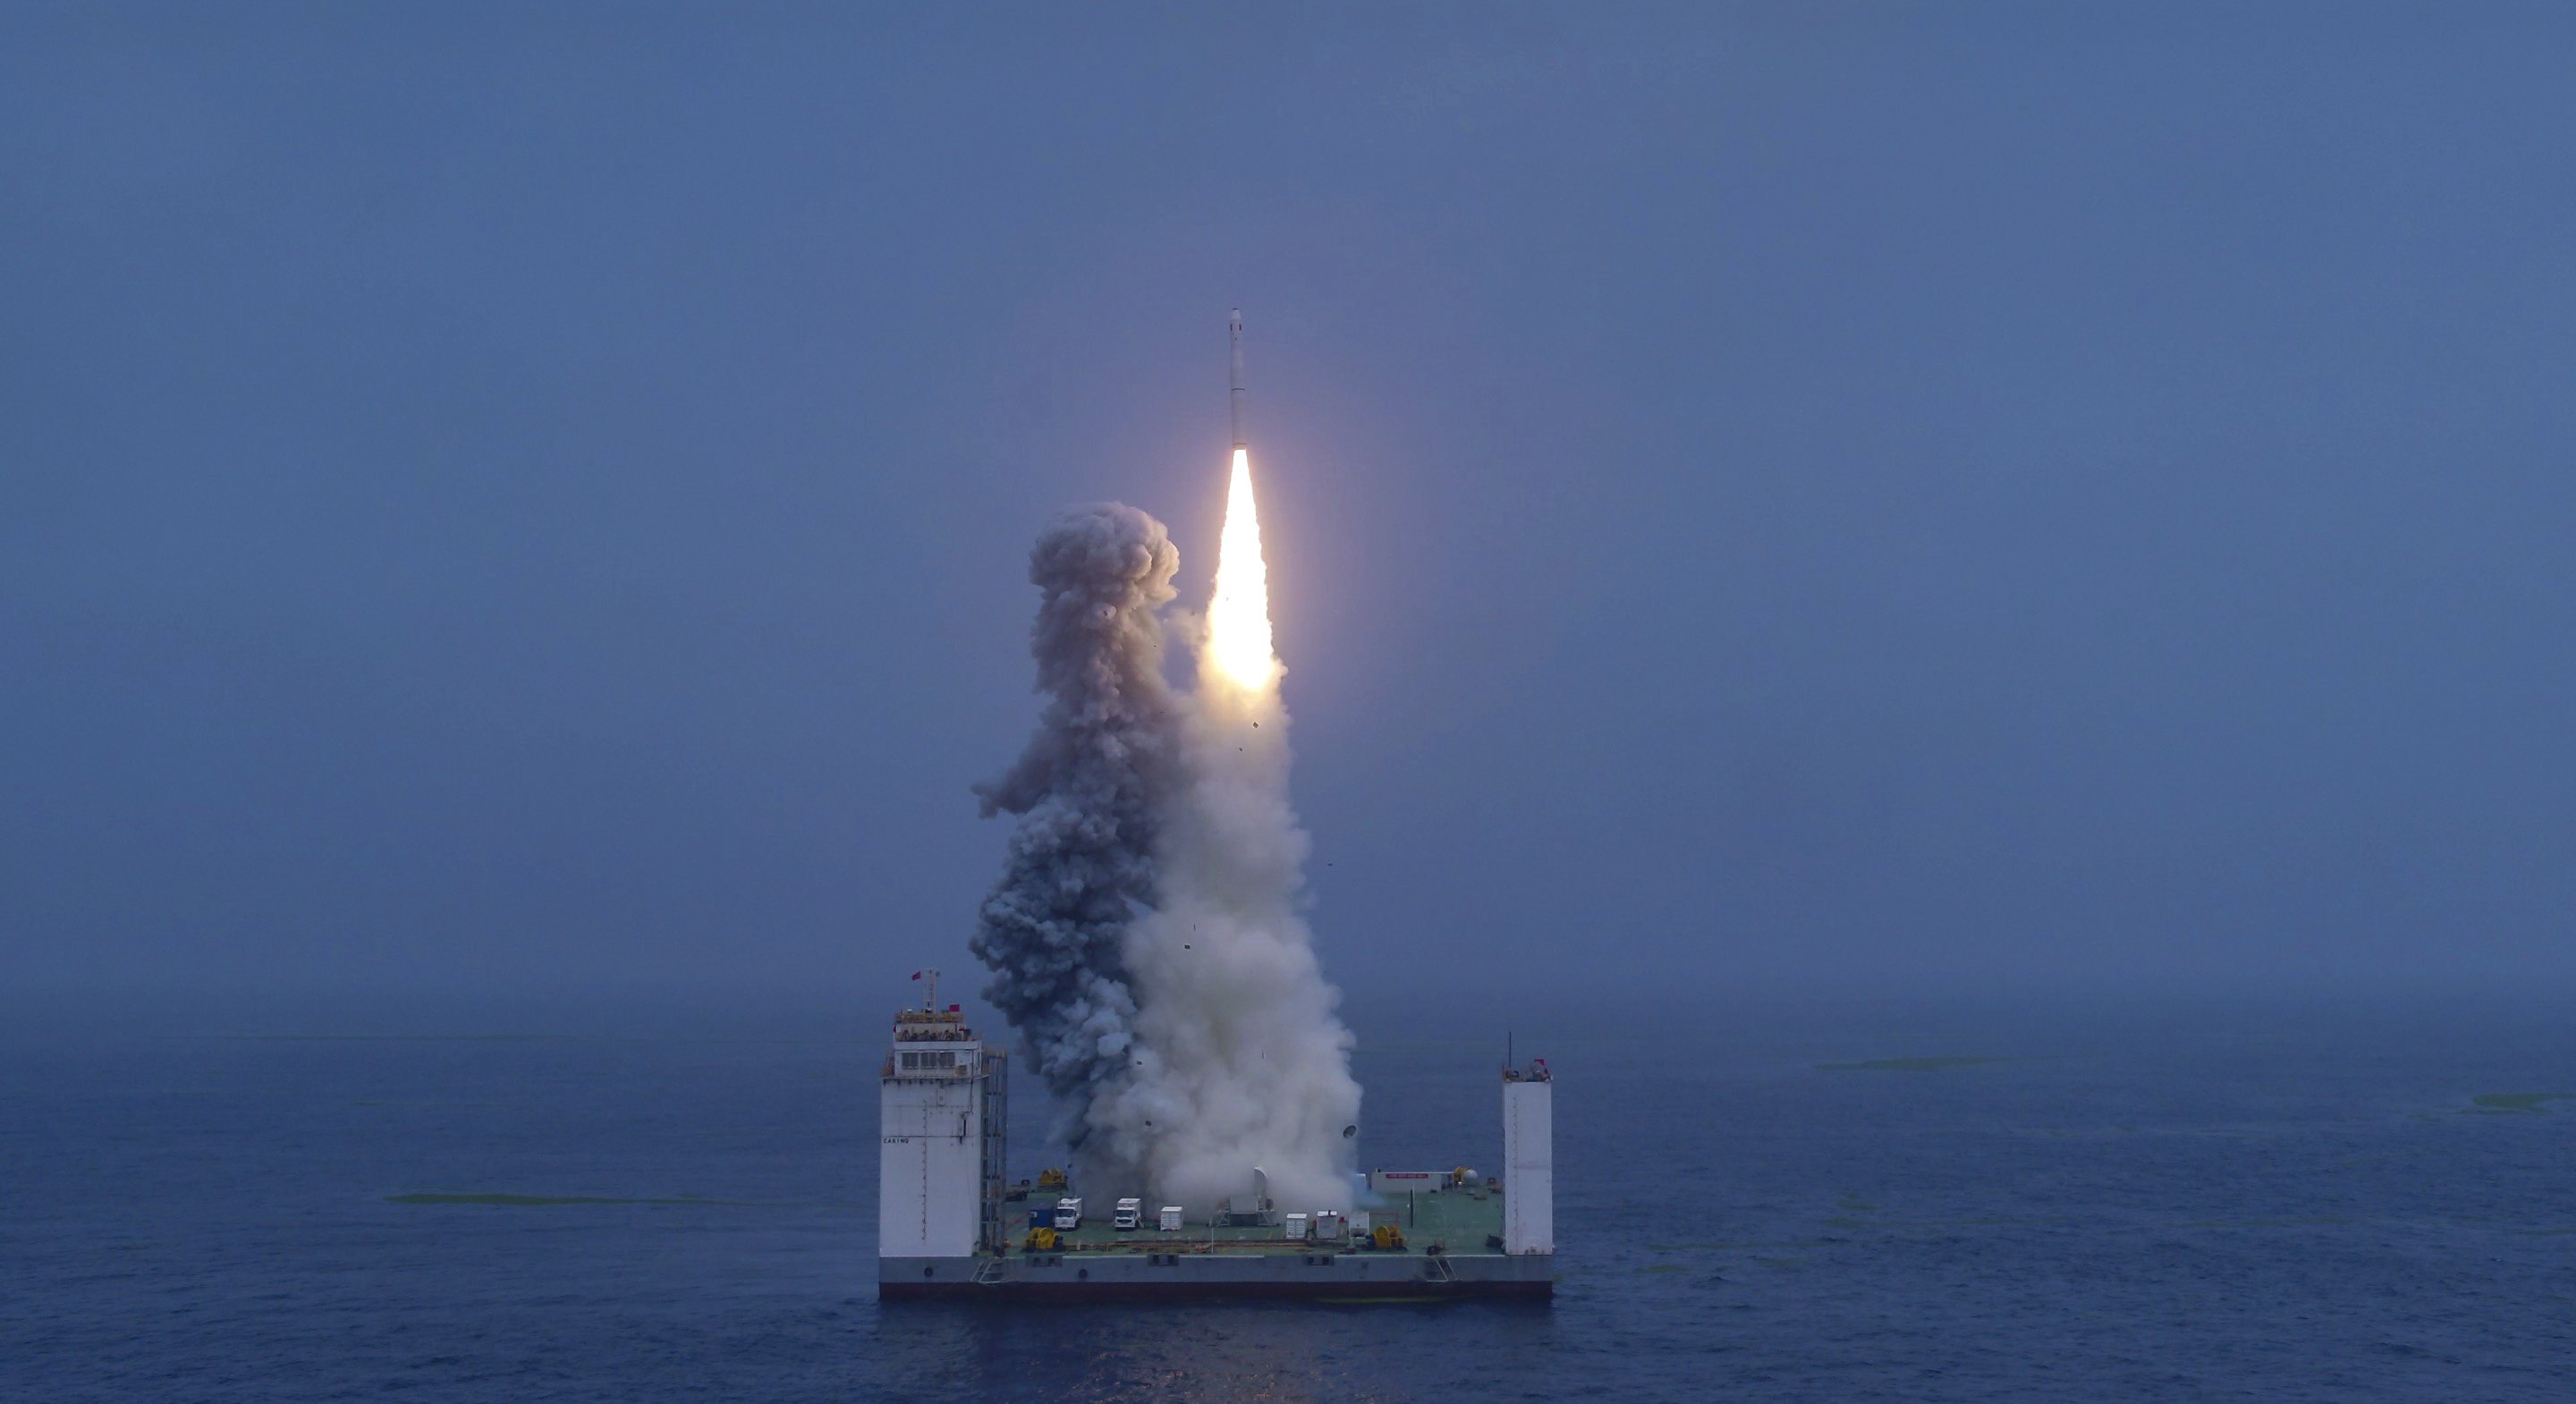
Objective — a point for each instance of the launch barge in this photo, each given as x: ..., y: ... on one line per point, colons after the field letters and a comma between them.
x: 951, y: 1227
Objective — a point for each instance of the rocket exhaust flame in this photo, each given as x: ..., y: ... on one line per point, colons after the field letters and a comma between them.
x: 1239, y: 614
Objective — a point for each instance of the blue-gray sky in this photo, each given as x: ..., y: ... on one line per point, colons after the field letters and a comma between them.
x: 538, y: 497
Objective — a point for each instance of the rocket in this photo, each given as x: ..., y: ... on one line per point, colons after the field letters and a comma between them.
x: 1234, y: 398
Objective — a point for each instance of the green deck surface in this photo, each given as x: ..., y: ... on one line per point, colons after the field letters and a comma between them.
x: 1458, y: 1220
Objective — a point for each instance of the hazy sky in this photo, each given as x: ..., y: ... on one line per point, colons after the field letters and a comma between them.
x: 1966, y: 493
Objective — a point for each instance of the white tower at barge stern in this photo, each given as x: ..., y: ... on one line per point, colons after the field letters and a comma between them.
x: 943, y: 1114
x: 1529, y: 1160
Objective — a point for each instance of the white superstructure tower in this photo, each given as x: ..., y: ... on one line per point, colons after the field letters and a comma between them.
x: 1529, y: 1161
x: 943, y: 1115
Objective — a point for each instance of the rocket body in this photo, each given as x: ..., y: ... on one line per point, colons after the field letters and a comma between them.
x: 1234, y: 398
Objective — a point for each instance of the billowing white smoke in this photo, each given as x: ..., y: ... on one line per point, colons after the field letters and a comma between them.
x: 1239, y: 1060
x: 1202, y: 1044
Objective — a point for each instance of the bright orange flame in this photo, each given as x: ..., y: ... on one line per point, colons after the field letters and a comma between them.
x: 1239, y: 616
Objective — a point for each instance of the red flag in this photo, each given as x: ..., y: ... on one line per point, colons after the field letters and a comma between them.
x: 916, y: 974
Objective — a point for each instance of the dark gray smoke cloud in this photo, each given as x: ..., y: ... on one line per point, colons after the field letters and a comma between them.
x: 1087, y: 789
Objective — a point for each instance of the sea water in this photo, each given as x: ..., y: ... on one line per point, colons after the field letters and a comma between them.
x: 1908, y: 1201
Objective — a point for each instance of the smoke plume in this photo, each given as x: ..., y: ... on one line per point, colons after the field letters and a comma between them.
x: 1087, y: 790
x: 1239, y: 1059
x: 1146, y: 937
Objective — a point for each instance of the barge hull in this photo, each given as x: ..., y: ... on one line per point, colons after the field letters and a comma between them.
x: 1064, y: 1292
x: 1133, y: 1277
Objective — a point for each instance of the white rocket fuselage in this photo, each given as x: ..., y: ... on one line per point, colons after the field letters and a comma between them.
x: 1234, y: 398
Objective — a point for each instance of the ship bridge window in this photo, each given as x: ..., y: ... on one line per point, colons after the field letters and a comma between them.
x: 918, y: 1061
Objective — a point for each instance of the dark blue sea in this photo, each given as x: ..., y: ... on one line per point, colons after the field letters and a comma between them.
x: 2048, y: 1200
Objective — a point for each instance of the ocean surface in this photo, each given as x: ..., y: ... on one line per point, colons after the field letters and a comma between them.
x: 2050, y: 1202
